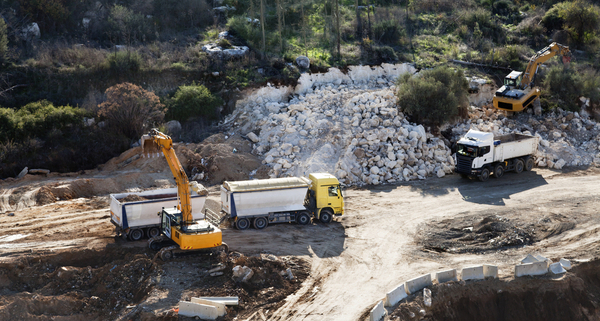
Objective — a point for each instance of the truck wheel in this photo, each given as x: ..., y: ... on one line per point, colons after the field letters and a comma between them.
x: 303, y: 218
x: 153, y: 232
x: 136, y: 234
x: 519, y: 165
x: 242, y: 223
x: 529, y: 164
x: 485, y: 174
x: 326, y: 216
x: 498, y: 171
x: 260, y: 223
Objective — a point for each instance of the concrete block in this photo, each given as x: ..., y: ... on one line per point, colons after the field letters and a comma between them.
x: 490, y: 271
x: 416, y: 284
x: 535, y: 268
x: 227, y: 300
x: 446, y: 276
x: 191, y: 309
x: 378, y: 312
x: 472, y: 273
x: 557, y: 268
x: 566, y: 264
x: 529, y: 259
x: 394, y: 296
x: 220, y: 306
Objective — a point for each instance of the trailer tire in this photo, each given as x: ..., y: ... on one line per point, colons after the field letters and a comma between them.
x: 326, y: 216
x: 135, y: 234
x: 153, y: 232
x: 529, y: 164
x: 498, y: 171
x: 260, y: 223
x: 519, y: 165
x: 242, y: 223
x: 484, y: 175
x: 166, y: 255
x: 303, y: 218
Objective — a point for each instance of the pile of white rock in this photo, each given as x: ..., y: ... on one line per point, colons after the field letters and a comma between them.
x: 349, y: 125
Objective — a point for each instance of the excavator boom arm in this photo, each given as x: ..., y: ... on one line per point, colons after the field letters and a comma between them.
x: 155, y: 141
x: 541, y: 57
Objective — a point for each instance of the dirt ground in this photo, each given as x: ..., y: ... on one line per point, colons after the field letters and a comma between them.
x: 60, y: 224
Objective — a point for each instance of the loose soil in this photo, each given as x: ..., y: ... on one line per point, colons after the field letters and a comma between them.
x: 119, y: 283
x: 574, y: 296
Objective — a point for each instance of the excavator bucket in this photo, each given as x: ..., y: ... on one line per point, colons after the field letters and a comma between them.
x: 149, y: 147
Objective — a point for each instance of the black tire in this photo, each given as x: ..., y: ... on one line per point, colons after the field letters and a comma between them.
x: 153, y: 232
x: 303, y: 218
x: 154, y: 245
x: 529, y: 164
x: 166, y: 255
x: 242, y: 223
x: 136, y: 234
x: 485, y: 174
x: 260, y: 223
x: 498, y: 171
x: 519, y: 166
x: 326, y: 216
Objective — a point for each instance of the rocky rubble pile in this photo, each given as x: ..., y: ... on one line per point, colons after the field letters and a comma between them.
x: 349, y: 125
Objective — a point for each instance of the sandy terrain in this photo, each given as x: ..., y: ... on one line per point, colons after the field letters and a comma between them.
x: 380, y: 242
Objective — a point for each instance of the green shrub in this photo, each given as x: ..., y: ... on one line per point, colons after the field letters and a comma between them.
x: 193, y: 101
x: 552, y: 19
x: 511, y: 56
x: 383, y: 54
x: 481, y: 19
x: 124, y: 61
x: 3, y: 41
x: 37, y: 119
x: 388, y: 32
x: 245, y: 30
x: 565, y: 86
x: 433, y: 96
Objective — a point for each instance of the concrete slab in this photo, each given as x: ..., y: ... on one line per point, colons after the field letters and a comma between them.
x: 529, y: 259
x: 394, y: 296
x: 566, y: 264
x: 227, y: 300
x: 191, y: 309
x: 535, y: 268
x: 490, y: 271
x: 378, y: 312
x: 446, y: 276
x: 220, y: 306
x: 472, y: 273
x: 557, y: 268
x: 418, y: 283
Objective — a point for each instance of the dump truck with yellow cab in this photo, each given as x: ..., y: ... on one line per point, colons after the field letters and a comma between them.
x: 282, y: 200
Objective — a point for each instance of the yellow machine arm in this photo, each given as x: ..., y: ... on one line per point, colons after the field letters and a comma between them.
x: 157, y: 141
x: 541, y: 57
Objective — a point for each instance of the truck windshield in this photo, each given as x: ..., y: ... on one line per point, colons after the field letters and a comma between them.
x: 510, y: 82
x: 467, y: 150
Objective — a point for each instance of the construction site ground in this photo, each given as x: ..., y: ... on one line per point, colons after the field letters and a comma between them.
x: 60, y: 259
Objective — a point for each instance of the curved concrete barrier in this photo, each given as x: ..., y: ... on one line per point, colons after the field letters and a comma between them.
x: 534, y: 268
x: 377, y: 312
x: 394, y: 296
x: 418, y: 283
x: 446, y: 276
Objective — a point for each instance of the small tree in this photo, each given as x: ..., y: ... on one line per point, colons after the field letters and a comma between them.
x: 434, y: 96
x: 3, y: 41
x: 193, y: 101
x: 131, y: 110
x: 565, y: 87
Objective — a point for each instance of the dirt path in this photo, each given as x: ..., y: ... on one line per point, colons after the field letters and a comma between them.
x: 379, y: 251
x: 373, y: 249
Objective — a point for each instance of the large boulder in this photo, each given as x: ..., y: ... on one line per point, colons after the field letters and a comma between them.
x: 303, y: 62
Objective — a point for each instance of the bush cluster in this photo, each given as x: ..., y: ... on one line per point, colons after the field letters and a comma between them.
x: 193, y: 101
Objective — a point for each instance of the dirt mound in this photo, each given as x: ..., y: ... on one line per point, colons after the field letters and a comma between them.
x: 226, y: 157
x: 106, y: 284
x: 576, y: 296
x: 481, y: 233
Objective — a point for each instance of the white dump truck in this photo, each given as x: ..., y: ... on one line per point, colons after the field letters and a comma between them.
x: 282, y: 200
x: 136, y: 215
x: 480, y: 154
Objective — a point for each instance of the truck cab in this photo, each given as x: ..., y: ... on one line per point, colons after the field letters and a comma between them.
x: 328, y: 197
x: 474, y: 151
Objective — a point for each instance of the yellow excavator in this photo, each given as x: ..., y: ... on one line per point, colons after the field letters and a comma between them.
x: 179, y: 232
x: 518, y: 91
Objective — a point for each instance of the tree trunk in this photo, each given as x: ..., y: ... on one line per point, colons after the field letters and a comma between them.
x: 337, y: 17
x: 279, y: 27
x: 359, y: 31
x: 369, y: 19
x: 262, y: 26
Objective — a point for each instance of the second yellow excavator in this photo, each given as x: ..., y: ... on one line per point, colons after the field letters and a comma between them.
x: 518, y: 91
x: 179, y: 232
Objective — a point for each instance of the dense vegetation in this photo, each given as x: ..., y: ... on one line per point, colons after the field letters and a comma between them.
x: 152, y: 50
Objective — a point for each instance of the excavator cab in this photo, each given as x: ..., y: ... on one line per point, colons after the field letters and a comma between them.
x: 513, y: 79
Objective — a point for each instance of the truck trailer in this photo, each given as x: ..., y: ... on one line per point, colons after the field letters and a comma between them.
x: 136, y: 219
x: 282, y: 200
x: 480, y: 154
